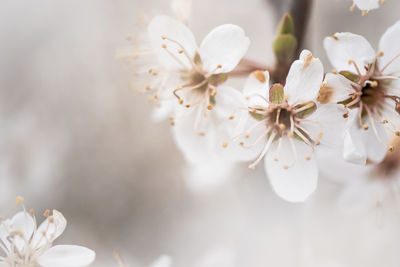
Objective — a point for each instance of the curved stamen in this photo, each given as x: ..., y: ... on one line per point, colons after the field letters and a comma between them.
x: 264, y: 152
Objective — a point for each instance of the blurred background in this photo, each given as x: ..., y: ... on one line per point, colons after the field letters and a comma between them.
x: 74, y: 136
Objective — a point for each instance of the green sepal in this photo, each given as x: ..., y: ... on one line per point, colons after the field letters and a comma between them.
x: 350, y: 76
x: 276, y: 94
x: 257, y: 116
x: 197, y: 60
x: 306, y: 112
x: 284, y: 47
x: 217, y: 79
x: 212, y: 100
x: 286, y: 25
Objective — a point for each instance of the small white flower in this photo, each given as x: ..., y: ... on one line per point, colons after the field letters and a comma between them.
x: 291, y: 125
x: 370, y: 92
x: 202, y: 101
x: 26, y: 245
x: 366, y: 5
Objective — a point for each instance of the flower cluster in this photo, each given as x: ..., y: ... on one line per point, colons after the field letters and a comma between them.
x: 27, y: 245
x: 286, y: 123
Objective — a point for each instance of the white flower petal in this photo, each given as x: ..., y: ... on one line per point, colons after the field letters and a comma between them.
x: 228, y: 100
x: 327, y: 124
x: 304, y: 79
x: 345, y: 46
x: 335, y: 88
x: 52, y: 229
x: 67, y: 256
x: 225, y: 45
x: 162, y: 261
x: 23, y: 223
x: 173, y: 29
x: 391, y: 52
x: 366, y: 4
x: 299, y: 181
x: 196, y: 147
x: 376, y: 143
x: 256, y: 88
x: 353, y: 147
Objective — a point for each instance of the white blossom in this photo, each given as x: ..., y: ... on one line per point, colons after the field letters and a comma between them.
x: 366, y: 5
x: 370, y: 92
x: 26, y: 245
x: 291, y: 125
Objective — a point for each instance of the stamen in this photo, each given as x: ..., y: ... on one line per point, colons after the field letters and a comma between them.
x: 182, y: 48
x: 264, y: 152
x: 390, y: 62
x: 352, y: 62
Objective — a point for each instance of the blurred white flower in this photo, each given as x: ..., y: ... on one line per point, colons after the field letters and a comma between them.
x: 162, y: 261
x: 291, y: 125
x: 366, y: 5
x: 370, y: 92
x: 25, y: 244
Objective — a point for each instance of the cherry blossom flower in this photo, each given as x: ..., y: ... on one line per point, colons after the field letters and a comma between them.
x: 368, y: 87
x: 366, y: 5
x: 291, y: 125
x: 25, y: 244
x: 203, y: 103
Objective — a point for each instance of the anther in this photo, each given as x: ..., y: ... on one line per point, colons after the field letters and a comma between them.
x: 209, y: 107
x: 164, y: 46
x: 285, y: 167
x: 19, y: 200
x: 397, y: 133
x: 282, y: 126
x: 374, y: 84
x: 291, y: 135
x: 247, y: 135
x: 345, y: 115
x: 276, y: 159
x: 320, y: 134
x: 46, y: 213
x: 334, y: 71
x: 365, y: 127
x: 317, y: 142
x: 147, y: 87
x: 224, y: 144
x: 391, y: 148
x: 32, y: 212
x: 380, y: 54
x: 201, y: 133
x: 187, y: 105
x: 241, y: 143
x: 364, y: 12
x: 180, y: 101
x: 180, y: 51
x: 51, y: 219
x: 307, y: 157
x: 172, y: 123
x: 231, y: 117
x: 385, y: 121
x: 352, y: 7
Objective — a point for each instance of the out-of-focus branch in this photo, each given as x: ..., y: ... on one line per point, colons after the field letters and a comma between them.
x: 300, y: 10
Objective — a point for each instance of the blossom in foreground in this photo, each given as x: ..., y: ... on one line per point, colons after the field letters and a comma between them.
x: 366, y: 5
x: 368, y: 87
x: 25, y: 244
x: 291, y: 125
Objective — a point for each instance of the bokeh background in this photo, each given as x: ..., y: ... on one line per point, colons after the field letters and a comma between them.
x: 74, y: 136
